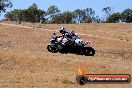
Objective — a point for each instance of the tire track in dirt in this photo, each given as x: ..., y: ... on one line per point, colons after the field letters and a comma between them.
x: 22, y: 26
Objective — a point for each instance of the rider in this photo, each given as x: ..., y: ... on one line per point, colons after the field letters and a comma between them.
x: 65, y: 33
x: 54, y: 36
x: 74, y: 36
x: 69, y: 35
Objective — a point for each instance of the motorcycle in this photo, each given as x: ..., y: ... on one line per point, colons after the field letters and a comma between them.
x: 66, y: 46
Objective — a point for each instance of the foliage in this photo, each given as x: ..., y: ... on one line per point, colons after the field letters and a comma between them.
x: 114, y: 18
x: 53, y: 11
x: 5, y: 4
x: 107, y: 11
x: 126, y: 15
x: 65, y: 17
x: 32, y: 14
x: 54, y: 15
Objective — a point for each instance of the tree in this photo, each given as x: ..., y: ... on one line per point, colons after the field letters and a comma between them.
x: 89, y: 12
x: 53, y: 11
x: 9, y: 16
x: 32, y: 14
x: 114, y: 18
x: 97, y: 19
x: 126, y: 15
x: 83, y: 16
x: 53, y: 15
x: 5, y: 4
x: 65, y: 17
x: 17, y: 14
x: 108, y: 11
x: 35, y: 14
x: 78, y: 16
x: 14, y: 15
x: 89, y: 15
x: 88, y: 19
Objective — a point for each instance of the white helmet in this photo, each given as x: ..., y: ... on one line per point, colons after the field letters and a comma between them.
x: 62, y: 29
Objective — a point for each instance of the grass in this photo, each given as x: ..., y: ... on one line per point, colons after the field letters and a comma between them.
x: 26, y: 57
x: 65, y: 81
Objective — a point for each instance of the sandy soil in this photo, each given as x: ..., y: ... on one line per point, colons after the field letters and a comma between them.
x: 25, y: 62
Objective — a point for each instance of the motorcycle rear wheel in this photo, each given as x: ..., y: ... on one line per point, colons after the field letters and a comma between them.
x: 89, y: 51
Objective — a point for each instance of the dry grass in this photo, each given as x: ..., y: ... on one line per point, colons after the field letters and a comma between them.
x: 25, y: 62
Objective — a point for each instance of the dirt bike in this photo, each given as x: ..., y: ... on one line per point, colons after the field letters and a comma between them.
x: 78, y: 46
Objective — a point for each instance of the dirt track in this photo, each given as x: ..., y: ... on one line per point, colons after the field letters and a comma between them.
x: 83, y: 34
x: 25, y: 62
